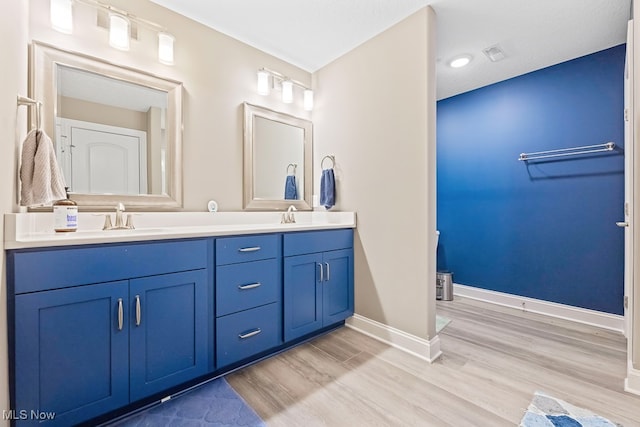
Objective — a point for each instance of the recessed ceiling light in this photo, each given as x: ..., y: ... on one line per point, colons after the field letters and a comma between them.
x: 460, y: 61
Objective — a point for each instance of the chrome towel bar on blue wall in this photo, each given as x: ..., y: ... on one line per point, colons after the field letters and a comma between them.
x: 609, y: 146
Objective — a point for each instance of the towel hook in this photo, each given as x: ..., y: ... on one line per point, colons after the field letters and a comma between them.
x: 22, y: 100
x: 294, y: 166
x: 330, y: 157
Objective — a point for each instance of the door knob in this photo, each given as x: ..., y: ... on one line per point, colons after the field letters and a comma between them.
x: 622, y: 224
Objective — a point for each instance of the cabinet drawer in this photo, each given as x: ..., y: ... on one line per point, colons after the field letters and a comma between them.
x: 308, y: 242
x: 59, y: 268
x: 232, y: 250
x: 247, y: 285
x: 247, y: 333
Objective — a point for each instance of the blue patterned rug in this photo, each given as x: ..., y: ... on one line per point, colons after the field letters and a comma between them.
x: 546, y: 411
x: 212, y: 404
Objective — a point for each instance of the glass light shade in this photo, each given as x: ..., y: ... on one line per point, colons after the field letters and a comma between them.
x: 119, y: 31
x: 287, y: 91
x: 165, y: 48
x: 263, y: 82
x: 460, y: 61
x: 61, y: 14
x: 308, y: 99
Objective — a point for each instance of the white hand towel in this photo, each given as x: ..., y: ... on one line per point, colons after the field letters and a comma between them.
x: 42, y: 180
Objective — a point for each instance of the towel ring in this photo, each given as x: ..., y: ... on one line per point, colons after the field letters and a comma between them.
x: 330, y: 157
x: 294, y: 166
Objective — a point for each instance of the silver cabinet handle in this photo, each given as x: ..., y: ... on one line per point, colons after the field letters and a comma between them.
x: 622, y: 224
x: 138, y: 310
x: 120, y: 314
x: 321, y: 272
x: 251, y: 249
x: 328, y: 271
x: 249, y: 286
x: 256, y: 331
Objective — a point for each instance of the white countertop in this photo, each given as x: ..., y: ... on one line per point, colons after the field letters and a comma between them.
x: 35, y: 230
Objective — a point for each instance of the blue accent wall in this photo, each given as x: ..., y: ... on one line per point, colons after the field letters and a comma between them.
x: 545, y: 229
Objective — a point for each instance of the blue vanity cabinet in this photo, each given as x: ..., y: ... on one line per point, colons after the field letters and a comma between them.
x: 94, y: 329
x: 71, y: 353
x: 318, y: 280
x: 248, y: 296
x: 168, y: 331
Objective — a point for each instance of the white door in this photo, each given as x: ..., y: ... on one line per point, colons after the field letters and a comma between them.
x: 103, y: 159
x: 628, y: 181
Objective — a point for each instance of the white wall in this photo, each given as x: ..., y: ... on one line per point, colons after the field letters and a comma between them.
x: 375, y: 111
x: 13, y: 46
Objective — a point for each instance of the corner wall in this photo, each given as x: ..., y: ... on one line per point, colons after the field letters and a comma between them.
x: 374, y: 112
x: 13, y: 45
x: 546, y: 229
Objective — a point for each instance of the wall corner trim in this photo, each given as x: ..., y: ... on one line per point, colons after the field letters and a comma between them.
x: 428, y: 350
x: 600, y: 319
x: 632, y: 382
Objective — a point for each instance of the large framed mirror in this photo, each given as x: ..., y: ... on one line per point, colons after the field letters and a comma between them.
x: 278, y: 151
x: 117, y: 131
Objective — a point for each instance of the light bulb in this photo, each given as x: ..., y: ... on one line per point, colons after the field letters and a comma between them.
x: 287, y: 91
x: 165, y: 48
x: 308, y: 99
x: 263, y: 82
x: 119, y: 31
x: 61, y: 13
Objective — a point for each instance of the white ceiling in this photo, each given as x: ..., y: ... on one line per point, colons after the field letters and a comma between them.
x: 532, y: 33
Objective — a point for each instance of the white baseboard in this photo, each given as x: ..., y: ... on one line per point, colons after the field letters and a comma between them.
x: 428, y: 350
x: 632, y: 382
x: 581, y: 315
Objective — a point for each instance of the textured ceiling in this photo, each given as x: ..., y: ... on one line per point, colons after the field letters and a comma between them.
x: 532, y: 33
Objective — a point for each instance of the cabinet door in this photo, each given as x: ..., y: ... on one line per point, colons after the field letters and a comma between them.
x: 71, y: 353
x: 168, y: 331
x: 337, y: 287
x: 302, y: 295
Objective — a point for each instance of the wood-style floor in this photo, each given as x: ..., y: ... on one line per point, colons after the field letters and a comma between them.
x: 494, y: 359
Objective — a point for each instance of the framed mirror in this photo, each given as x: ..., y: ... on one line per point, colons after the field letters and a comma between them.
x: 117, y: 131
x: 278, y: 151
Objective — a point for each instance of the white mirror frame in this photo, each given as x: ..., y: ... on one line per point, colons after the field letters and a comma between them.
x: 251, y: 202
x: 43, y: 87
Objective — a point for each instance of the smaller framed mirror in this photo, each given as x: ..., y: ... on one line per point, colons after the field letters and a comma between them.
x: 278, y: 167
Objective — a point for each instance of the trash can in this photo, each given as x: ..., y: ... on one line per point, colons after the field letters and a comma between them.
x: 444, y: 286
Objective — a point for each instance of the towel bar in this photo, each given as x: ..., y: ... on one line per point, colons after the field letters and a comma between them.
x: 563, y: 152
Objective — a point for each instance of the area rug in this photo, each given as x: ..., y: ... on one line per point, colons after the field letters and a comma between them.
x: 214, y: 404
x: 546, y: 411
x: 441, y: 322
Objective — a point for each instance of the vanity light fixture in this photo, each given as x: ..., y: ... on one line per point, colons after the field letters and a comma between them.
x: 460, y: 61
x: 121, y: 24
x: 119, y: 31
x: 165, y: 48
x: 268, y: 79
x: 287, y: 91
x: 61, y: 13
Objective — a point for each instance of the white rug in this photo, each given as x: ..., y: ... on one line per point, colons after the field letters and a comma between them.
x: 547, y: 411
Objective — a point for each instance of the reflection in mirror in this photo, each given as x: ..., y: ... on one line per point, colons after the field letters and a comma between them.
x: 277, y: 160
x: 117, y: 131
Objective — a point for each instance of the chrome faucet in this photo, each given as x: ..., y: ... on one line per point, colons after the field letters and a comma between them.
x: 120, y: 224
x: 289, y: 217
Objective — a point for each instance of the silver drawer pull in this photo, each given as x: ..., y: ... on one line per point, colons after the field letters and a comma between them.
x: 120, y: 314
x: 321, y: 272
x: 138, y: 311
x: 256, y: 331
x: 328, y: 271
x: 251, y: 249
x: 249, y: 286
